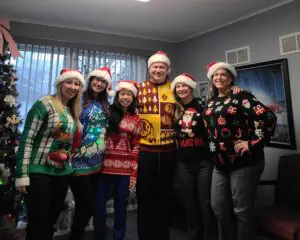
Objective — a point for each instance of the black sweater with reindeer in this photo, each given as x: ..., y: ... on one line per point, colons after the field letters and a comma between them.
x: 238, y: 117
x: 191, y: 133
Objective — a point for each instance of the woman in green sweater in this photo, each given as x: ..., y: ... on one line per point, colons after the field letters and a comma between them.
x: 43, y: 166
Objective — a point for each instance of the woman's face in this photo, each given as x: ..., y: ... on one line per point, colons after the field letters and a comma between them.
x: 158, y: 72
x: 70, y: 88
x: 221, y: 80
x: 183, y: 91
x: 98, y: 85
x: 125, y: 98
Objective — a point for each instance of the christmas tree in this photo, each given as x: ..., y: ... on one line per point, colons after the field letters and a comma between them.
x: 9, y: 122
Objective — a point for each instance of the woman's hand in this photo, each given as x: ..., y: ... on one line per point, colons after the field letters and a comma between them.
x: 21, y: 189
x: 132, y: 184
x: 236, y: 89
x: 241, y: 147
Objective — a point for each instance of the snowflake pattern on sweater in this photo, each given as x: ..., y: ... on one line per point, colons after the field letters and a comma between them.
x: 238, y: 117
x: 122, y: 149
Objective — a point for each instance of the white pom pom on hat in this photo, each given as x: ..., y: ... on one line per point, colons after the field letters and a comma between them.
x: 184, y: 78
x: 105, y: 74
x: 214, y: 66
x: 162, y: 57
x: 67, y: 73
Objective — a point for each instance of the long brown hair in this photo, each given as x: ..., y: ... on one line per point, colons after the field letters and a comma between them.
x: 214, y: 91
x: 179, y: 109
x: 102, y: 97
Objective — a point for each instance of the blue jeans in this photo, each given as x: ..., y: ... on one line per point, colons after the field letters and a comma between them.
x: 104, y: 184
x: 233, y: 197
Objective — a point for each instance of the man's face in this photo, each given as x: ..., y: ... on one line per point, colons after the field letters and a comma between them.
x: 158, y: 72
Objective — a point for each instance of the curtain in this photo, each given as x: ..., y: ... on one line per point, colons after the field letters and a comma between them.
x: 41, y: 64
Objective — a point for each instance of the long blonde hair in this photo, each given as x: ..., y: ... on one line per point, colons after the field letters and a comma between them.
x: 214, y: 91
x: 74, y: 104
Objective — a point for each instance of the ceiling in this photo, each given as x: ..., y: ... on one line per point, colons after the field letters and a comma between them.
x: 167, y: 20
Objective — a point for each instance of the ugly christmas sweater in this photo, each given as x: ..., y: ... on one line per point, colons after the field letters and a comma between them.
x: 88, y: 157
x: 238, y: 117
x: 191, y: 133
x: 156, y: 109
x: 46, y: 142
x: 122, y: 148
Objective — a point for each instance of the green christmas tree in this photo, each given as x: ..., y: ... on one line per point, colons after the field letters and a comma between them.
x: 9, y: 122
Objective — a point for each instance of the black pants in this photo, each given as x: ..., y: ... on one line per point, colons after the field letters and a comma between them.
x: 46, y: 195
x: 195, y: 179
x: 83, y: 189
x: 154, y: 185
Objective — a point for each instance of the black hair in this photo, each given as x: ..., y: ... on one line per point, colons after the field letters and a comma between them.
x: 102, y: 97
x: 117, y: 113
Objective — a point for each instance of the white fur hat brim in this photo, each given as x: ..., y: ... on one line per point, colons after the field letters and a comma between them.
x: 183, y: 79
x: 101, y: 74
x: 68, y: 75
x: 159, y: 58
x: 218, y: 65
x: 128, y: 86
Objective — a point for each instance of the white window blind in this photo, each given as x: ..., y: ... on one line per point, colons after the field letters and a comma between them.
x: 40, y: 66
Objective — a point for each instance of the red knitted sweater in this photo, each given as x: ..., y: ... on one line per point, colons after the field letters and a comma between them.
x: 122, y: 149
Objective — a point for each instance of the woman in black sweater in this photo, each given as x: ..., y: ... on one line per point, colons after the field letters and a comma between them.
x: 194, y: 163
x: 238, y: 127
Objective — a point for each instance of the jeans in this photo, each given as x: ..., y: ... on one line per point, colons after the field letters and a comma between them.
x: 45, y: 200
x: 195, y: 179
x: 154, y: 185
x: 233, y: 200
x: 104, y: 184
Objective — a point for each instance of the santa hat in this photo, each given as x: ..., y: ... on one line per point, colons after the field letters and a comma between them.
x: 130, y: 85
x: 162, y: 57
x: 105, y: 74
x: 184, y: 78
x: 214, y: 66
x: 191, y: 110
x: 67, y: 73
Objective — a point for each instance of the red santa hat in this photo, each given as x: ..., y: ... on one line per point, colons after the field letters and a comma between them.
x: 105, y: 74
x: 130, y: 85
x: 162, y: 57
x: 184, y: 78
x: 67, y: 73
x: 214, y: 66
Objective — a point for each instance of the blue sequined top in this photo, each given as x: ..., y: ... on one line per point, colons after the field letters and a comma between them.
x: 89, y: 158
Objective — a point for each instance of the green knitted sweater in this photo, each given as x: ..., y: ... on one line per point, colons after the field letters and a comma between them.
x: 46, y: 142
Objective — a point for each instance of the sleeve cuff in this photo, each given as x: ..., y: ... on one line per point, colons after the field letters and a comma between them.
x: 24, y: 181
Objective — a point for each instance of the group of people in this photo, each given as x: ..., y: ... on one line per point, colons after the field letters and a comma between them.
x: 136, y: 142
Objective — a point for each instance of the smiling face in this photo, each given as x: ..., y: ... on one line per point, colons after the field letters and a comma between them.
x: 97, y: 85
x: 158, y: 72
x: 125, y: 98
x: 69, y: 89
x: 183, y: 91
x: 222, y: 80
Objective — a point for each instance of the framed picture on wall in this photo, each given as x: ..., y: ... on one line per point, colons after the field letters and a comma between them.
x: 269, y: 83
x: 203, y: 89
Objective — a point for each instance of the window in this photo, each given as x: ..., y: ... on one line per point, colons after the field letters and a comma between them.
x: 40, y: 66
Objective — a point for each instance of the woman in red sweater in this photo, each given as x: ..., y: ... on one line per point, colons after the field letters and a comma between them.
x: 120, y: 161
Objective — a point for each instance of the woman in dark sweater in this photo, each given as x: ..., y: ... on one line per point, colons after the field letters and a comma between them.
x: 238, y: 126
x: 194, y: 163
